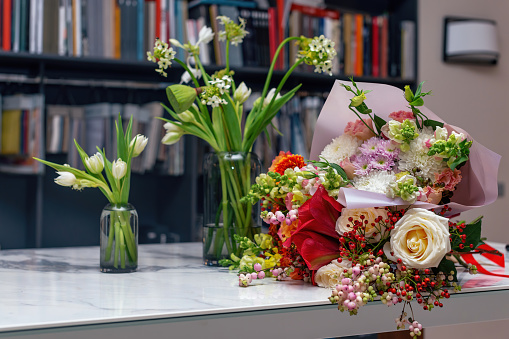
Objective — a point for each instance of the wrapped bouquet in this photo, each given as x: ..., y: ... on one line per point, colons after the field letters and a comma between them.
x: 371, y: 217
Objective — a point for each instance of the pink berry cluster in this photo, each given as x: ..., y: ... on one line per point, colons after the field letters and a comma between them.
x: 360, y: 283
x: 245, y: 279
x: 414, y: 327
x: 278, y: 217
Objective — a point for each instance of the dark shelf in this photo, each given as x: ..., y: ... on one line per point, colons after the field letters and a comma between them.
x: 84, y: 68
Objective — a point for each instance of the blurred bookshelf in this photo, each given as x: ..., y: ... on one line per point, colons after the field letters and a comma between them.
x: 87, y: 58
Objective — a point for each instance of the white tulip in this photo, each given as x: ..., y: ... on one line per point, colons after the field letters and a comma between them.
x: 269, y: 97
x: 242, y: 93
x: 65, y: 179
x: 171, y: 138
x: 205, y: 36
x: 139, y: 142
x: 118, y: 168
x: 95, y: 163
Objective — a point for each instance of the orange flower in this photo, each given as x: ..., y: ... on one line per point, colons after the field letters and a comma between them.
x: 297, y: 274
x: 286, y: 160
x: 285, y: 231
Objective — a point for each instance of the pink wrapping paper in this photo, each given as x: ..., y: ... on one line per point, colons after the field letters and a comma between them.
x: 478, y: 186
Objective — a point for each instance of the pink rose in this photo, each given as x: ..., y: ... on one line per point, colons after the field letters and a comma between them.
x: 348, y: 167
x: 401, y: 116
x: 359, y: 130
x: 448, y: 178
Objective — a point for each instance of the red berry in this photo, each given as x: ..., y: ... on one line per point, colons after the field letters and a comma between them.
x: 436, y: 303
x: 425, y: 307
x: 441, y: 305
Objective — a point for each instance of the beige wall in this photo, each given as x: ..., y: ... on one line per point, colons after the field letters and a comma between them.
x: 475, y: 98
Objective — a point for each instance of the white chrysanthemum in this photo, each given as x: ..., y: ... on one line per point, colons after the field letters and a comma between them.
x: 340, y: 148
x: 417, y: 157
x: 375, y: 181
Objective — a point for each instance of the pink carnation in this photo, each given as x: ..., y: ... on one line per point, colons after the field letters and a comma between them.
x: 359, y: 130
x: 348, y: 168
x: 401, y: 116
x: 432, y: 195
x: 449, y: 178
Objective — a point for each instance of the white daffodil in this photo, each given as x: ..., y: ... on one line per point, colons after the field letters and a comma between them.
x: 186, y: 77
x: 65, y: 179
x: 242, y: 93
x: 95, y: 163
x: 118, y: 169
x: 139, y: 142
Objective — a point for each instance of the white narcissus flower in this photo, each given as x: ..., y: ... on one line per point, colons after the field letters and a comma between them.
x: 242, y: 93
x: 420, y: 239
x: 95, y: 163
x: 118, y: 169
x: 65, y: 179
x: 139, y: 143
x: 372, y: 233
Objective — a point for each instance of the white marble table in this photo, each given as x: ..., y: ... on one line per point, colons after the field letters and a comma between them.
x: 60, y: 293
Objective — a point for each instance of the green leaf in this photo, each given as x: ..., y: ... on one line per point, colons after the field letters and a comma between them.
x: 232, y: 123
x: 433, y: 123
x: 458, y: 161
x: 446, y: 266
x: 379, y: 122
x: 473, y: 233
x: 417, y: 102
x: 340, y: 171
x: 419, y: 89
x: 267, y: 135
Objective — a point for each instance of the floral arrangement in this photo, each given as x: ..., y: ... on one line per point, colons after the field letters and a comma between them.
x: 401, y: 246
x: 114, y: 184
x: 212, y: 110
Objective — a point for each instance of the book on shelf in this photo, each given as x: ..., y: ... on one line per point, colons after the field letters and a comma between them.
x: 21, y: 133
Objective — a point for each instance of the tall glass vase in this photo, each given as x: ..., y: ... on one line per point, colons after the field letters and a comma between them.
x: 228, y: 177
x: 119, y: 239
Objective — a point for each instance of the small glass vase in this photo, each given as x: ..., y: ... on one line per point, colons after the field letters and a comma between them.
x: 228, y: 177
x: 119, y: 239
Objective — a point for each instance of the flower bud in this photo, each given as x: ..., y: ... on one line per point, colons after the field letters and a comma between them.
x: 65, y: 179
x: 118, y: 169
x: 409, y: 95
x: 357, y: 100
x: 171, y: 138
x: 186, y: 116
x: 242, y: 93
x: 139, y: 142
x: 95, y: 163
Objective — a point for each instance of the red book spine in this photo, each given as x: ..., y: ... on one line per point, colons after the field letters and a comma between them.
x: 158, y: 18
x: 273, y: 34
x: 315, y: 11
x: 359, y: 43
x: 6, y: 29
x: 375, y: 49
x: 384, y: 48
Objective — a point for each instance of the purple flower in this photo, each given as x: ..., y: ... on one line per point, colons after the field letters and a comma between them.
x: 388, y: 149
x: 382, y: 163
x: 362, y: 164
x: 370, y: 146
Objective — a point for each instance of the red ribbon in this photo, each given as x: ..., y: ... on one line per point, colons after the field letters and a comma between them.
x: 497, y: 259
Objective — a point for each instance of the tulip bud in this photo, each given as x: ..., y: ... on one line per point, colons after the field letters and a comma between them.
x: 95, y: 163
x: 186, y: 116
x: 118, y: 169
x: 173, y: 133
x: 181, y: 97
x: 242, y: 93
x: 139, y: 142
x: 65, y: 179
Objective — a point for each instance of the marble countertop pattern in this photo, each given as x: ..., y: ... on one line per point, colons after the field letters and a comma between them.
x: 61, y: 287
x: 45, y: 288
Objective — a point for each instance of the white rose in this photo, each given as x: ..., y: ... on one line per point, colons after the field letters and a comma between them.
x: 343, y: 225
x: 420, y: 239
x: 328, y: 276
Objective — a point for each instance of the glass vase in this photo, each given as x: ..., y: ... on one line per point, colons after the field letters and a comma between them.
x: 119, y: 239
x: 228, y: 177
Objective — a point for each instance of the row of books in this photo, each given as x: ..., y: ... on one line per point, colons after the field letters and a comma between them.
x: 21, y: 133
x: 94, y: 126
x: 367, y: 45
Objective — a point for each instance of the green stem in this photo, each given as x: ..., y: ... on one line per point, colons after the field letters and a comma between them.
x: 117, y: 244
x: 124, y: 217
x: 111, y: 235
x: 225, y: 205
x: 122, y: 248
x: 351, y: 109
